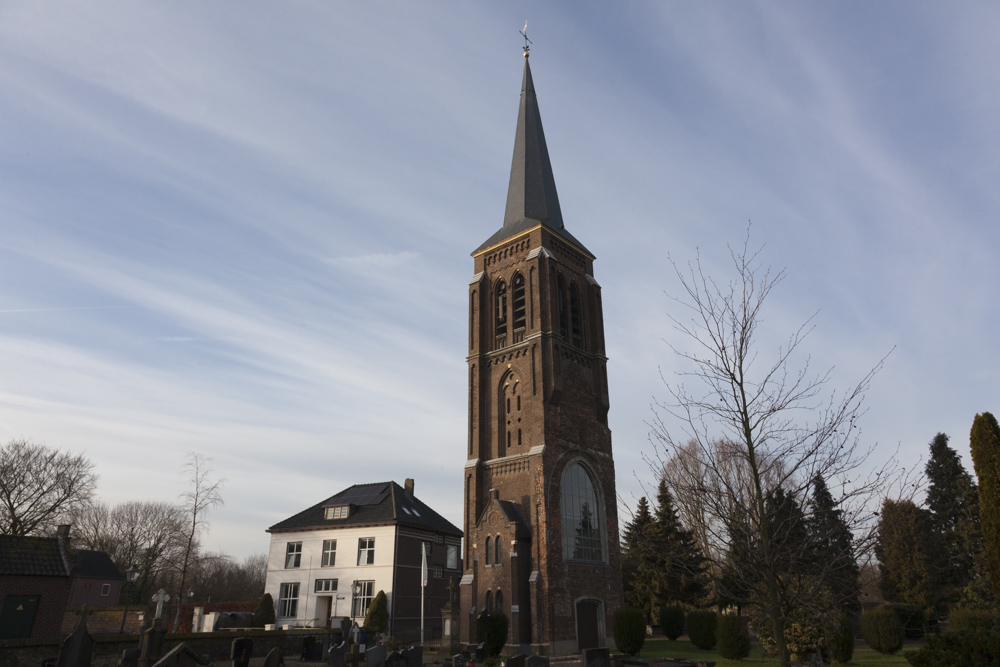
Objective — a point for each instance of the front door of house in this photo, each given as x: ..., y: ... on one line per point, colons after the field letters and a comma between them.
x: 586, y: 624
x: 17, y: 616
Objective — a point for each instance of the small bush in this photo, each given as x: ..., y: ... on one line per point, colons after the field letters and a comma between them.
x: 701, y: 628
x: 377, y: 619
x: 629, y: 626
x: 264, y: 613
x: 672, y: 622
x: 734, y: 642
x: 976, y: 647
x: 960, y: 620
x: 882, y: 630
x: 496, y: 633
x: 804, y: 640
x: 911, y: 617
x: 842, y: 641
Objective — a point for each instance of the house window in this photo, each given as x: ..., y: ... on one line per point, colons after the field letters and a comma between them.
x: 489, y: 550
x: 366, y: 551
x: 581, y: 520
x: 439, y: 539
x: 437, y: 572
x: 501, y: 309
x: 364, y: 599
x: 288, y: 600
x: 326, y: 585
x: 427, y: 548
x: 339, y: 512
x: 496, y: 552
x: 517, y: 294
x: 293, y: 555
x: 329, y: 553
x: 452, y: 563
x: 105, y: 590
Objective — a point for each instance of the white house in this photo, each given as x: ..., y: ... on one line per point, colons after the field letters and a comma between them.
x: 369, y: 535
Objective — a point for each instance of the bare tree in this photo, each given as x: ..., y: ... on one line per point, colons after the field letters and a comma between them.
x: 219, y: 577
x: 40, y: 485
x: 750, y: 436
x: 202, y: 496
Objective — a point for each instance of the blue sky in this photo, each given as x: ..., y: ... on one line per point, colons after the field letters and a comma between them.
x: 243, y: 228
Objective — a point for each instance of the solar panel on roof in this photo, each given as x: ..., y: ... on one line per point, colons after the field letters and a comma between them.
x: 369, y: 494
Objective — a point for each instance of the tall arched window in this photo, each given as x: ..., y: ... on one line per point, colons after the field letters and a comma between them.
x: 499, y: 602
x: 501, y: 308
x: 489, y: 550
x: 581, y: 516
x: 496, y: 551
x: 489, y: 602
x: 562, y: 305
x: 576, y: 315
x: 518, y: 303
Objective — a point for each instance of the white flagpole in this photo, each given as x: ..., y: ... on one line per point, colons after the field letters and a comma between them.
x: 423, y: 586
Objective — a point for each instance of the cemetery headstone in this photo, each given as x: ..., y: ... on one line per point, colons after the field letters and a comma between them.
x: 536, y: 661
x: 159, y: 598
x: 515, y: 661
x: 395, y: 659
x: 459, y: 660
x: 337, y: 654
x: 375, y: 656
x: 76, y: 649
x: 308, y: 648
x: 480, y: 653
x: 355, y: 657
x: 241, y: 651
x: 130, y: 658
x: 182, y: 655
x: 596, y: 657
x: 414, y: 656
x: 274, y: 658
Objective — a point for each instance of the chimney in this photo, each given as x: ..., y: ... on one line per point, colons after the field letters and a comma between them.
x: 408, y: 486
x: 62, y: 531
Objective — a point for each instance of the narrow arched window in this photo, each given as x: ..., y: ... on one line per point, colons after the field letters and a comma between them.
x: 517, y: 295
x: 576, y: 315
x: 562, y: 305
x: 489, y: 550
x: 501, y: 308
x: 581, y: 516
x: 489, y: 602
x: 496, y: 551
x: 499, y: 602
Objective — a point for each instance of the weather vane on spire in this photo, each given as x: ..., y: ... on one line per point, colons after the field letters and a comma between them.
x: 524, y: 33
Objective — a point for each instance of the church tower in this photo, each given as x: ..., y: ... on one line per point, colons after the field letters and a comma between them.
x: 541, y: 523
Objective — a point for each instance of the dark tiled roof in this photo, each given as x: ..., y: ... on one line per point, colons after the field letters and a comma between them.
x: 531, y: 194
x: 34, y: 556
x: 380, y: 503
x: 95, y: 565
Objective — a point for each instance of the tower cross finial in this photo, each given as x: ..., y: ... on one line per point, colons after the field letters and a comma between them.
x: 524, y: 33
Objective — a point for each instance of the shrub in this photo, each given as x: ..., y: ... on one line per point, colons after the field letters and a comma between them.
x: 672, y: 622
x: 976, y: 647
x: 734, y: 642
x: 629, y: 626
x: 960, y: 620
x: 378, y: 613
x: 264, y: 613
x: 701, y: 628
x: 496, y: 633
x: 911, y: 617
x: 804, y: 640
x: 882, y: 630
x: 842, y: 641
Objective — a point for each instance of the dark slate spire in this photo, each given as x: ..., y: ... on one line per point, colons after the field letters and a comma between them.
x: 531, y: 195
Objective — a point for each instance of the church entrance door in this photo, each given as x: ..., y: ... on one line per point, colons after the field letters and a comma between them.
x: 586, y: 624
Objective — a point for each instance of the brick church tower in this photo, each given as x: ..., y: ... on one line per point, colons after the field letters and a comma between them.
x: 541, y: 523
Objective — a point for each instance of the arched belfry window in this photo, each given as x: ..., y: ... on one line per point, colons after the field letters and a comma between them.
x: 496, y: 551
x: 509, y: 413
x: 489, y: 550
x: 499, y: 602
x: 562, y: 306
x: 517, y: 296
x: 581, y: 516
x: 576, y: 315
x: 501, y: 308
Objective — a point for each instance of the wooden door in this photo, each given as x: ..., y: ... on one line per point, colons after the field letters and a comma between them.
x: 18, y: 616
x: 586, y: 624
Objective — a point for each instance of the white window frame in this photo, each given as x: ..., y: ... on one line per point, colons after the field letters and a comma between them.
x: 338, y: 512
x: 288, y: 600
x: 293, y: 555
x: 366, y: 551
x: 452, y: 559
x: 105, y: 590
x: 325, y: 586
x: 363, y: 601
x: 329, y: 553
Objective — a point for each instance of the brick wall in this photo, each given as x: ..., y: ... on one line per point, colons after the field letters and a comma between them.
x: 53, y: 593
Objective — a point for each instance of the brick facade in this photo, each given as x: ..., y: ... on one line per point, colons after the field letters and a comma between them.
x: 53, y: 593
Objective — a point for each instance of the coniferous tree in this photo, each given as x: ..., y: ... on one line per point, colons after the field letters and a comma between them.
x: 905, y: 548
x: 639, y: 590
x: 953, y: 501
x: 675, y: 564
x: 985, y: 442
x: 832, y: 548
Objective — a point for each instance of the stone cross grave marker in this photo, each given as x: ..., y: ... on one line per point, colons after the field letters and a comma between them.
x: 76, y: 649
x: 241, y: 651
x: 160, y: 597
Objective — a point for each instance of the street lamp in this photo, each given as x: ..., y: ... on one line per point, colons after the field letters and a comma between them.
x: 355, y: 593
x: 131, y: 574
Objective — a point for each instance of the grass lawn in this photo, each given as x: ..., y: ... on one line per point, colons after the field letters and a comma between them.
x: 863, y: 656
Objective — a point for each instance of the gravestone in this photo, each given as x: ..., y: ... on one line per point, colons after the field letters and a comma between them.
x: 274, y: 658
x: 375, y: 656
x: 459, y: 660
x: 395, y: 659
x: 414, y: 656
x: 515, y: 661
x: 354, y: 658
x: 130, y: 658
x: 536, y: 661
x: 480, y: 653
x: 76, y: 649
x: 151, y: 643
x: 337, y: 654
x: 309, y: 649
x: 182, y: 655
x: 596, y: 657
x: 241, y: 651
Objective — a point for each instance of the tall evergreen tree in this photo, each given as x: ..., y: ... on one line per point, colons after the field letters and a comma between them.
x: 640, y: 592
x: 832, y: 547
x: 906, y: 546
x: 985, y: 442
x: 675, y: 562
x: 953, y: 501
